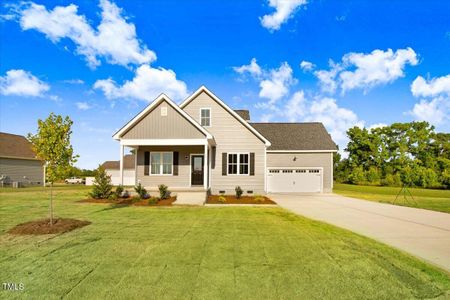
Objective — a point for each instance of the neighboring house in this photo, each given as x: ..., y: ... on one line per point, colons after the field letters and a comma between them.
x: 112, y: 168
x: 18, y: 162
x: 203, y: 143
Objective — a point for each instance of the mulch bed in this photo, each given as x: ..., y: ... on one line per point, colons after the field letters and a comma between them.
x: 130, y: 201
x: 44, y: 227
x: 214, y: 199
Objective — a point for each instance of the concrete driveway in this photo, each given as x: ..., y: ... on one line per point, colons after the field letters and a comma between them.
x: 420, y: 232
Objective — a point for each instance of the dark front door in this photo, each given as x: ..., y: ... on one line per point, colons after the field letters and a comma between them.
x: 197, y: 170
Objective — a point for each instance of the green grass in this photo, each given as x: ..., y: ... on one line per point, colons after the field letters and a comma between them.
x: 438, y: 200
x: 200, y: 253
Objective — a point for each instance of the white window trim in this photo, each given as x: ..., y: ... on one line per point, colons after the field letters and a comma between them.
x: 238, y: 163
x: 161, y: 164
x: 200, y: 117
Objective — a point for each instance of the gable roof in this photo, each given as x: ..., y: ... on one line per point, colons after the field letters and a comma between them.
x: 150, y: 107
x: 15, y: 146
x: 227, y: 108
x: 296, y: 136
x: 128, y: 163
x: 243, y: 113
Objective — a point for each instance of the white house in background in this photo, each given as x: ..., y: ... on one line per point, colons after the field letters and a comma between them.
x: 203, y: 144
x: 112, y: 168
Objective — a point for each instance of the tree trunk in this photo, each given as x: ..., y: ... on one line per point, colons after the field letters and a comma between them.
x: 51, y: 203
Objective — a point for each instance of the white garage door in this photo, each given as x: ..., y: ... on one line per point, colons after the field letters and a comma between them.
x: 291, y: 180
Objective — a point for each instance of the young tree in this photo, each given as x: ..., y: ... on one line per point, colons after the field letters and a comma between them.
x: 52, y: 145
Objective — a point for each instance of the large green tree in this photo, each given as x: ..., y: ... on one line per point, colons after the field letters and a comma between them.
x: 52, y: 145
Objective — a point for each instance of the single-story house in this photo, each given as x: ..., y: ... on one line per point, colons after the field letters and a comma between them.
x: 112, y: 168
x: 18, y: 162
x: 203, y: 144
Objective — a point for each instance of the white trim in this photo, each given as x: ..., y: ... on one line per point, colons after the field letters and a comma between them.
x: 303, y: 168
x: 121, y: 165
x: 161, y: 166
x: 190, y: 166
x: 163, y: 142
x: 300, y: 151
x: 209, y: 166
x: 238, y: 164
x: 159, y: 99
x: 265, y: 169
x: 205, y: 167
x: 332, y: 170
x: 232, y: 112
x: 135, y: 165
x: 200, y: 116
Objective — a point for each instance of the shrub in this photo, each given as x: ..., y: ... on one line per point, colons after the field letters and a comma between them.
x: 152, y: 201
x: 113, y: 196
x: 445, y: 177
x: 141, y: 191
x: 238, y: 191
x: 135, y: 199
x: 392, y: 180
x: 102, y: 188
x: 357, y: 176
x: 163, y: 191
x: 222, y: 199
x: 373, y: 176
x: 259, y: 198
x: 119, y: 191
x: 428, y: 178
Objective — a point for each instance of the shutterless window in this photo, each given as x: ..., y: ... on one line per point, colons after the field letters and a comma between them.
x: 205, y: 117
x: 161, y: 163
x: 238, y: 164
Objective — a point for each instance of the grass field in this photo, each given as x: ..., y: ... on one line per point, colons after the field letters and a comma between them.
x: 438, y: 200
x: 199, y: 253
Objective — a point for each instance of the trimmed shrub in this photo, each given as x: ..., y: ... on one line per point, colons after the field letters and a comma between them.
x: 119, y: 191
x: 222, y: 199
x: 152, y: 201
x: 238, y: 191
x: 163, y: 191
x: 141, y: 191
x: 102, y: 188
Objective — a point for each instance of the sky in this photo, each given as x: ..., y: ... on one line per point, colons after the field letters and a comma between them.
x: 343, y: 63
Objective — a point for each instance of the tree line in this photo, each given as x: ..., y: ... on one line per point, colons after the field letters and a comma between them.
x: 411, y: 154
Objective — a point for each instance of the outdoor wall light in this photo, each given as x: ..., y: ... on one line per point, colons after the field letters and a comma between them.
x: 295, y: 158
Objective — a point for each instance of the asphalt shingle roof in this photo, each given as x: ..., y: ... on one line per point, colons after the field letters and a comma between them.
x: 128, y: 163
x: 13, y: 145
x: 243, y: 113
x: 296, y: 136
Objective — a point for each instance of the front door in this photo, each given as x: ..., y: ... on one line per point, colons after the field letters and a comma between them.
x: 197, y: 170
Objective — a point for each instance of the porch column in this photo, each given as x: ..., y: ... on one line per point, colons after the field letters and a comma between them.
x: 121, y: 164
x: 205, y: 167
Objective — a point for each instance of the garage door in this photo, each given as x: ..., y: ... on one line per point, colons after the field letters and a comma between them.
x: 291, y: 180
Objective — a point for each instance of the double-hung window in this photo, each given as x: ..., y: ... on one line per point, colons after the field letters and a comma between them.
x: 238, y: 163
x: 205, y: 117
x: 161, y: 163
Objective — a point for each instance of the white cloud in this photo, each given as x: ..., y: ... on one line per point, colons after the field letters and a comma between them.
x: 146, y: 85
x: 253, y: 68
x: 22, y: 83
x: 284, y: 9
x: 435, y: 107
x: 114, y: 38
x: 307, y: 66
x: 83, y: 105
x: 423, y: 88
x: 277, y: 84
x: 296, y: 107
x: 74, y: 81
x: 377, y: 125
x: 364, y: 71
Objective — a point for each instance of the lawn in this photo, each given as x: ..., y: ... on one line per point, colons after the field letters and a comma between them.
x: 200, y: 253
x: 438, y: 200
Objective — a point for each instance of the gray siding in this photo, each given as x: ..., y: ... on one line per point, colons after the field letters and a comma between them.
x: 230, y: 136
x: 323, y: 160
x: 182, y: 180
x: 155, y: 126
x: 16, y: 169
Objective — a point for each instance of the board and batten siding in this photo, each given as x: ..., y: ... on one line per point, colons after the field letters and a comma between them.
x: 156, y: 126
x: 230, y: 136
x: 128, y: 176
x: 22, y: 170
x: 316, y: 159
x: 182, y: 180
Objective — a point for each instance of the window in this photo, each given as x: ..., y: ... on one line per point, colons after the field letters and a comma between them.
x: 238, y: 164
x: 161, y: 163
x: 205, y: 117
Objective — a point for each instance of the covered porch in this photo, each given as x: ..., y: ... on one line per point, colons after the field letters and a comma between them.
x: 181, y: 164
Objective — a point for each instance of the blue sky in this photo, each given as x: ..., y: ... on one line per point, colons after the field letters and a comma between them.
x: 101, y: 62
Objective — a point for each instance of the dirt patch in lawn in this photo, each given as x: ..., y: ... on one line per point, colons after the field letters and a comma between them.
x: 43, y: 226
x: 131, y: 201
x: 229, y: 199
